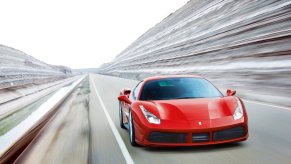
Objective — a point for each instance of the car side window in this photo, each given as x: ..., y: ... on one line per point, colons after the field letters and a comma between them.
x: 136, y: 90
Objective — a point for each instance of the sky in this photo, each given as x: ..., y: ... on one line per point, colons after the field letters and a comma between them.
x: 78, y: 33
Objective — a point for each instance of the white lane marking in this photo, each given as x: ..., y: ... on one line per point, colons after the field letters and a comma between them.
x: 117, y: 136
x: 267, y: 104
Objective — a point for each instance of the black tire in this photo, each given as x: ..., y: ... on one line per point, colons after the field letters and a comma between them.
x: 121, y: 117
x: 131, y: 131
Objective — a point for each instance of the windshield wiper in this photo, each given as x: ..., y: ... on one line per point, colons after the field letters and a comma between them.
x: 188, y: 97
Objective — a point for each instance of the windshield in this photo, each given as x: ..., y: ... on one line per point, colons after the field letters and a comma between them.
x: 178, y: 88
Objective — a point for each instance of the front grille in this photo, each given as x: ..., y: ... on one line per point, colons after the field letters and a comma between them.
x: 200, y: 137
x: 227, y: 134
x: 161, y: 137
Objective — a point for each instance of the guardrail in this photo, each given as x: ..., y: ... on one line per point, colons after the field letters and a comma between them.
x: 14, y: 141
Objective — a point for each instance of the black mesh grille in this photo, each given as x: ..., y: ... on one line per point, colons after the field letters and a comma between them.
x: 200, y: 137
x: 227, y: 134
x: 160, y: 137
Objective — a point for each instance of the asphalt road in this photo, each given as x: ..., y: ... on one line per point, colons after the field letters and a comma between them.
x: 269, y: 127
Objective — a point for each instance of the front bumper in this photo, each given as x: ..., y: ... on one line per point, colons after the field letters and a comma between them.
x: 164, y: 136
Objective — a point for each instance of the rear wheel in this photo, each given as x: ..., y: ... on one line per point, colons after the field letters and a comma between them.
x: 121, y: 116
x: 131, y: 131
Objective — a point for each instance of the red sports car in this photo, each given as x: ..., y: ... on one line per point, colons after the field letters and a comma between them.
x: 181, y: 111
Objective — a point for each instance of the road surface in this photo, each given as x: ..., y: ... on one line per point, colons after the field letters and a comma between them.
x: 86, y: 130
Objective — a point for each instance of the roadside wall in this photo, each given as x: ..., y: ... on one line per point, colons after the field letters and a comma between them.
x: 244, y: 45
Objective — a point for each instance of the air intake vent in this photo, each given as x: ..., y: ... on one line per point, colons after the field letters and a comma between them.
x: 200, y: 137
x: 228, y: 134
x: 161, y: 137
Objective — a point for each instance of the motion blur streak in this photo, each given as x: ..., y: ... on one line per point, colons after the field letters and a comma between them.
x: 18, y: 69
x: 241, y: 44
x: 65, y: 139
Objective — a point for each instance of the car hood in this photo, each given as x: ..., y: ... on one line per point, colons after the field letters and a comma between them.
x: 193, y: 109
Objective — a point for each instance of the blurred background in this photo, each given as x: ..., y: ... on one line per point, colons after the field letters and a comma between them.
x: 243, y: 45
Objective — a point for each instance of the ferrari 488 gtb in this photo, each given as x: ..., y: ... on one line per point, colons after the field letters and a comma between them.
x: 181, y: 111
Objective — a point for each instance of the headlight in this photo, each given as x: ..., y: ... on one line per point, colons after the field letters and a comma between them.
x: 149, y: 116
x: 238, y: 113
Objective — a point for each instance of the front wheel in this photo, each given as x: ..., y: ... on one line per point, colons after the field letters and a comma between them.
x: 131, y: 131
x: 121, y: 116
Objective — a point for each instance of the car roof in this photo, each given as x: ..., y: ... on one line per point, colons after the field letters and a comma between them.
x: 169, y: 76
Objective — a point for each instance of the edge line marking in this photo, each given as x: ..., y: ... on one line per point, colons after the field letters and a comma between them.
x: 117, y: 136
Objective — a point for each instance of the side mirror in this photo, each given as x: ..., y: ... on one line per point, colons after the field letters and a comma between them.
x: 124, y: 98
x: 126, y: 91
x: 230, y: 92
